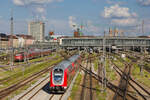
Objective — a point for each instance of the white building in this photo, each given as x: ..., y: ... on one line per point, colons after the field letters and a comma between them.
x: 21, y: 41
x: 37, y: 30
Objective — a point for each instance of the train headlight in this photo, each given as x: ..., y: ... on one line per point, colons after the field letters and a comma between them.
x: 65, y: 87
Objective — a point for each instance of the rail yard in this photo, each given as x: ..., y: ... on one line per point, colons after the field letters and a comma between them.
x: 122, y: 78
x: 75, y: 50
x: 91, y: 75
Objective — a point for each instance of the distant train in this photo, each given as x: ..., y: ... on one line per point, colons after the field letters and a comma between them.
x: 31, y: 54
x: 62, y: 74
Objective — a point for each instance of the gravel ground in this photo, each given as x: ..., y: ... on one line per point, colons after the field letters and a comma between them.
x: 34, y: 90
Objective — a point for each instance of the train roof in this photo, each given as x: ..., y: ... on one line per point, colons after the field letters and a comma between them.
x: 73, y: 58
x: 64, y: 64
x: 35, y: 51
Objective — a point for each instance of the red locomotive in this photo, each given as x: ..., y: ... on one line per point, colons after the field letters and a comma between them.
x: 31, y: 54
x: 62, y: 74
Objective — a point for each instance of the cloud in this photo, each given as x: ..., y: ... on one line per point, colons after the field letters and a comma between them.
x: 125, y: 21
x: 4, y: 26
x: 40, y: 9
x: 115, y: 2
x: 118, y: 15
x: 87, y: 27
x: 21, y: 26
x: 36, y: 7
x: 18, y: 2
x: 115, y: 11
x: 146, y: 26
x: 30, y: 2
x: 59, y: 26
x: 72, y: 22
x: 38, y: 12
x: 144, y: 2
x: 91, y: 28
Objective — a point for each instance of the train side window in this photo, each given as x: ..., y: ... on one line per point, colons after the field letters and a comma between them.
x: 70, y: 68
x: 75, y: 61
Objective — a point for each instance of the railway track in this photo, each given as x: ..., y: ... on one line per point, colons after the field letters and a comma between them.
x: 5, y: 92
x: 111, y: 86
x: 84, y: 83
x: 123, y: 84
x: 128, y: 82
x: 41, y: 91
x: 37, y: 87
x: 137, y: 59
x: 7, y: 79
x: 17, y: 64
x: 86, y: 91
x: 108, y: 84
x: 91, y: 92
x: 56, y: 97
x: 6, y: 67
x: 132, y: 83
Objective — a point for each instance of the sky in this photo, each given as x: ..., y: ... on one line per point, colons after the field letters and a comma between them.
x: 96, y: 16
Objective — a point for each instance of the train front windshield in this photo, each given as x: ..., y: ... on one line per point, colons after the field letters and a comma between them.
x: 58, y: 74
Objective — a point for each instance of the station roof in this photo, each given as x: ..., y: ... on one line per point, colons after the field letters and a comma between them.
x: 107, y: 37
x: 14, y: 36
x: 25, y: 36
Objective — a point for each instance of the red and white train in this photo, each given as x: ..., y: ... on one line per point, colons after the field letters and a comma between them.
x: 62, y: 74
x: 31, y: 54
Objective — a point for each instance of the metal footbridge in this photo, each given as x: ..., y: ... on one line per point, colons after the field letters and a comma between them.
x: 108, y: 41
